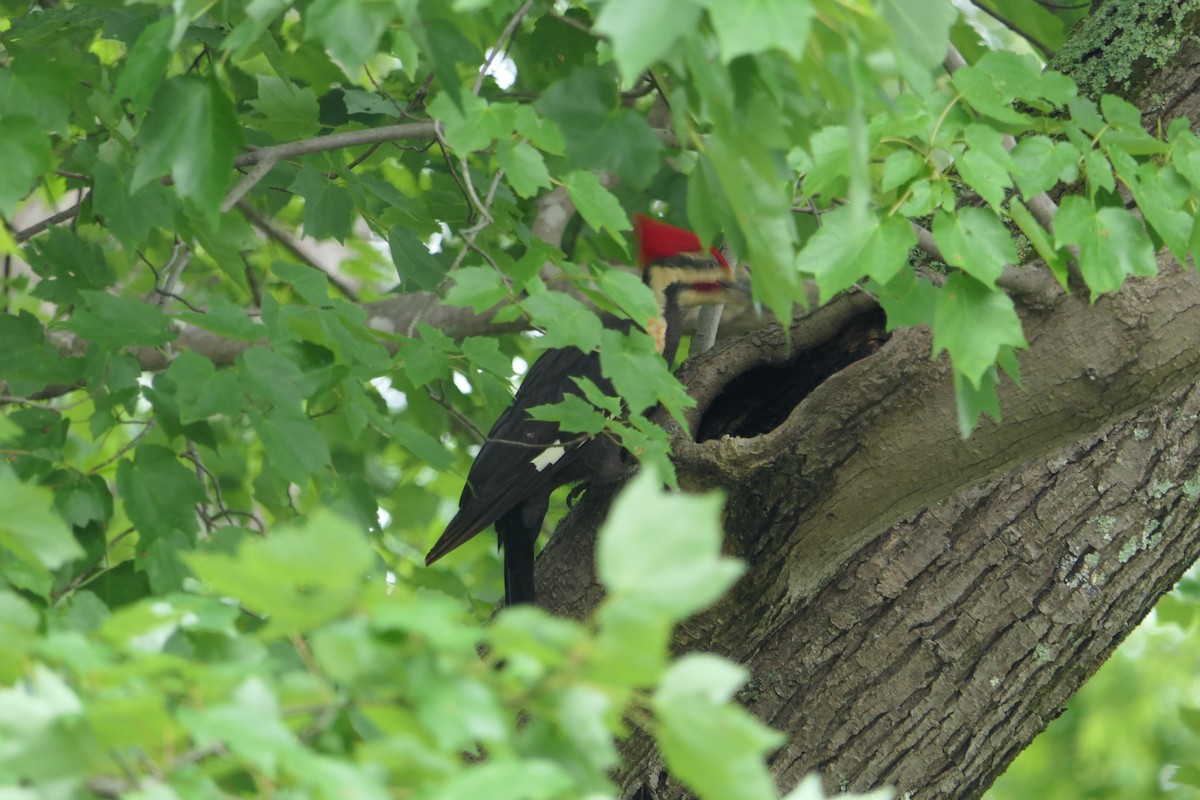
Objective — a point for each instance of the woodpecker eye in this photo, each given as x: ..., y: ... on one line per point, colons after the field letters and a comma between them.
x: 707, y: 286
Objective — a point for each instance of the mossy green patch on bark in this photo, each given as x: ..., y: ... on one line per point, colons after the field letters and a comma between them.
x: 1117, y: 46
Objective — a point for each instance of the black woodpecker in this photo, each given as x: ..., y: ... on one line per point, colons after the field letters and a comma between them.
x: 524, y: 460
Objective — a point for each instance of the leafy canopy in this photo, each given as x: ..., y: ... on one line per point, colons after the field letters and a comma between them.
x: 226, y: 450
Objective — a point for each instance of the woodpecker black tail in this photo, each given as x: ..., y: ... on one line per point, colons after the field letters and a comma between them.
x: 524, y: 460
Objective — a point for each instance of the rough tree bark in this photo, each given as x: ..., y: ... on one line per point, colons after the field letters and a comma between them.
x: 917, y: 608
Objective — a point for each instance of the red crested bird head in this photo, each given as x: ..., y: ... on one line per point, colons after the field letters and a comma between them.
x: 658, y: 241
x: 681, y: 275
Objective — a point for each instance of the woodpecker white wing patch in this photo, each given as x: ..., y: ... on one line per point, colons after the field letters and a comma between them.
x: 549, y: 456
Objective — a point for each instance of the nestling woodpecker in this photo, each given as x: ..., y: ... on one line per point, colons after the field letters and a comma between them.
x: 524, y: 460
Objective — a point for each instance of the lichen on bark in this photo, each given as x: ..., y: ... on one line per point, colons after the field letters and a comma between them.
x: 1135, y: 38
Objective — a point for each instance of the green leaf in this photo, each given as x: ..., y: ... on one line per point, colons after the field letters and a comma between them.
x: 25, y: 153
x: 295, y: 448
x: 986, y: 165
x: 289, y: 111
x: 631, y: 646
x: 484, y: 352
x: 1164, y: 199
x: 599, y: 134
x: 131, y: 216
x: 556, y: 47
x: 597, y: 205
x: 973, y: 401
x: 973, y: 323
x: 422, y: 445
x: 541, y: 133
x: 146, y: 65
x: 119, y: 321
x: 159, y: 494
x: 507, y: 778
x: 472, y: 123
x: 191, y: 131
x: 640, y: 375
x: 268, y: 375
x: 41, y: 86
x: 31, y: 530
x: 524, y: 167
x: 458, y: 711
x: 631, y: 295
x: 351, y: 31
x: 755, y: 26
x: 84, y: 501
x: 714, y: 747
x: 415, y: 265
x: 1112, y: 243
x: 566, y: 321
x: 663, y: 551
x: 28, y: 355
x: 1125, y: 128
x: 1039, y: 239
x: 845, y: 249
x: 1099, y: 172
x: 203, y: 390
x: 68, y: 263
x: 922, y: 28
x: 298, y: 577
x: 582, y: 711
x: 830, y: 160
x: 899, y: 168
x: 224, y: 318
x: 976, y: 241
x: 573, y: 413
x: 250, y: 727
x: 643, y: 31
x: 1000, y: 78
x: 906, y: 299
x: 702, y: 676
x: 310, y: 284
x: 260, y: 14
x: 447, y: 47
x: 424, y: 362
x: 605, y: 402
x: 1039, y: 163
x: 359, y: 102
x: 328, y: 209
x: 477, y: 287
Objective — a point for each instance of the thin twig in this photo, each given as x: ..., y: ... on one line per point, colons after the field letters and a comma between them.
x: 1015, y: 28
x: 180, y: 257
x: 337, y: 141
x: 574, y: 23
x: 247, y: 183
x: 440, y: 398
x: 132, y: 443
x: 182, y: 299
x: 501, y: 44
x: 87, y: 574
x: 25, y: 235
x: 292, y: 246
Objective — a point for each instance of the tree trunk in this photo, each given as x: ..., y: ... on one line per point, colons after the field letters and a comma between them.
x: 917, y: 607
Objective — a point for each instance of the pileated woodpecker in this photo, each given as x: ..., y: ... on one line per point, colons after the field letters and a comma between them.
x: 524, y: 460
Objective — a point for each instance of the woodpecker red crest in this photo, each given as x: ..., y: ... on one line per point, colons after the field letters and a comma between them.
x: 658, y: 240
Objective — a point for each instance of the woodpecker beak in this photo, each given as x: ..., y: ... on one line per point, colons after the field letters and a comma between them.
x: 738, y: 287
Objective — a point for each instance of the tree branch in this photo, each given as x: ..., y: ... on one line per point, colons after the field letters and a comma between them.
x: 289, y: 243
